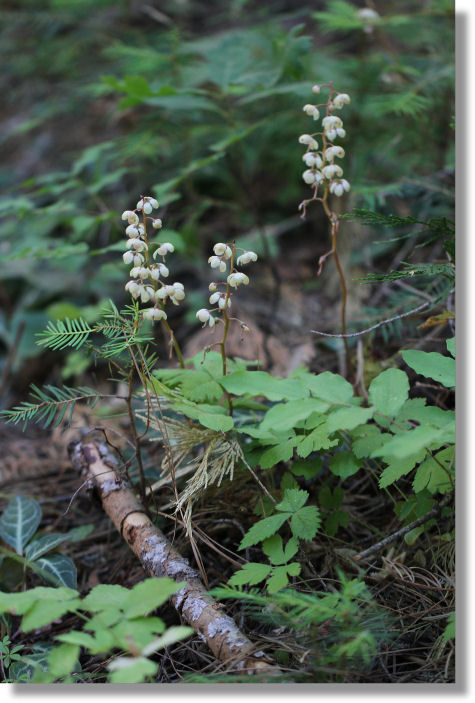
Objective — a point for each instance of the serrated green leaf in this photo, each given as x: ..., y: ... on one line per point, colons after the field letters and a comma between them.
x: 279, y: 577
x: 19, y: 522
x: 348, y: 418
x: 425, y: 414
x: 280, y: 452
x: 330, y: 387
x: 432, y: 365
x: 44, y: 612
x: 263, y: 529
x: 43, y: 544
x: 20, y: 603
x: 399, y: 467
x: 273, y: 549
x: 318, y: 439
x: 261, y: 383
x: 366, y: 439
x: 211, y: 416
x: 305, y: 522
x: 62, y: 660
x: 105, y: 596
x: 148, y: 595
x: 307, y: 469
x: 337, y: 519
x: 412, y: 442
x: 294, y: 499
x: 286, y: 415
x: 389, y: 391
x: 251, y: 573
x: 344, y: 464
x: 170, y: 636
x: 436, y: 473
x: 137, y: 633
x: 60, y: 567
x: 328, y: 499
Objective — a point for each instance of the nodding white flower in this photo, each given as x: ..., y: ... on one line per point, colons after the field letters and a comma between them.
x: 246, y: 258
x: 138, y: 259
x: 203, y: 315
x: 214, y: 262
x: 137, y: 244
x: 131, y: 217
x: 331, y: 122
x: 178, y: 293
x: 332, y: 171
x: 223, y: 250
x: 157, y: 224
x: 339, y: 187
x: 154, y: 314
x: 214, y: 298
x: 163, y: 249
x: 128, y: 257
x: 222, y: 266
x: 212, y: 287
x: 309, y: 177
x: 140, y: 272
x: 147, y: 204
x: 133, y: 288
x: 316, y: 89
x: 162, y: 293
x: 311, y: 111
x: 146, y: 293
x: 340, y: 100
x: 134, y: 230
x: 222, y: 302
x: 312, y: 160
x: 237, y: 278
x: 341, y: 132
x: 333, y: 151
x: 331, y: 134
x: 311, y: 143
x: 163, y: 270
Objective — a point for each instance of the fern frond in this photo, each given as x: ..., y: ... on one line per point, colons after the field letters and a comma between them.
x: 52, y: 405
x: 65, y: 333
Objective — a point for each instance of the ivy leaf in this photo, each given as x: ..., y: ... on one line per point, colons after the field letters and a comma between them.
x: 19, y: 522
x: 389, y: 391
x: 294, y: 498
x: 432, y: 365
x: 344, y: 464
x: 263, y: 529
x: 305, y: 522
x: 251, y: 573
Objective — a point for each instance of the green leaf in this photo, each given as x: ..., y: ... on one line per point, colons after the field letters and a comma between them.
x: 451, y: 346
x: 389, y: 391
x: 136, y: 633
x: 106, y: 596
x: 261, y: 383
x: 263, y: 529
x: 279, y: 577
x: 170, y: 636
x: 435, y: 472
x: 148, y: 595
x: 131, y: 670
x: 286, y: 415
x: 305, y: 522
x: 62, y: 660
x: 432, y: 365
x: 337, y: 519
x: 316, y: 440
x: 330, y: 387
x: 43, y: 544
x: 272, y: 548
x: 344, y: 464
x: 329, y: 500
x: 281, y: 452
x: 307, y: 469
x: 294, y: 498
x: 20, y: 603
x: 251, y: 573
x: 409, y: 443
x: 449, y: 632
x: 348, y: 418
x: 212, y: 416
x: 366, y: 439
x: 399, y: 467
x: 44, y: 612
x: 60, y: 567
x: 19, y: 522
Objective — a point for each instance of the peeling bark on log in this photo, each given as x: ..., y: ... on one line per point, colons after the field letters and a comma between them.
x: 159, y: 558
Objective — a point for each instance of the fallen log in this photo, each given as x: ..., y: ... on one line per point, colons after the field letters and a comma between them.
x: 159, y: 558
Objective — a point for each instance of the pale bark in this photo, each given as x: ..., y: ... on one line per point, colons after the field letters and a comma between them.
x: 159, y: 558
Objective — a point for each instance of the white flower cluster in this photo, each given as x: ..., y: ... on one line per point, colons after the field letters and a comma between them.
x: 146, y: 275
x: 222, y: 257
x: 320, y: 162
x: 370, y: 18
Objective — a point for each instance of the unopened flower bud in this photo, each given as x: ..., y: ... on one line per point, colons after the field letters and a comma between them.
x: 212, y: 287
x: 316, y: 89
x: 203, y: 315
x: 157, y: 224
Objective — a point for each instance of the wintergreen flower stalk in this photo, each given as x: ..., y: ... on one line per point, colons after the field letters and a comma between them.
x: 146, y: 275
x: 325, y: 176
x: 223, y: 260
